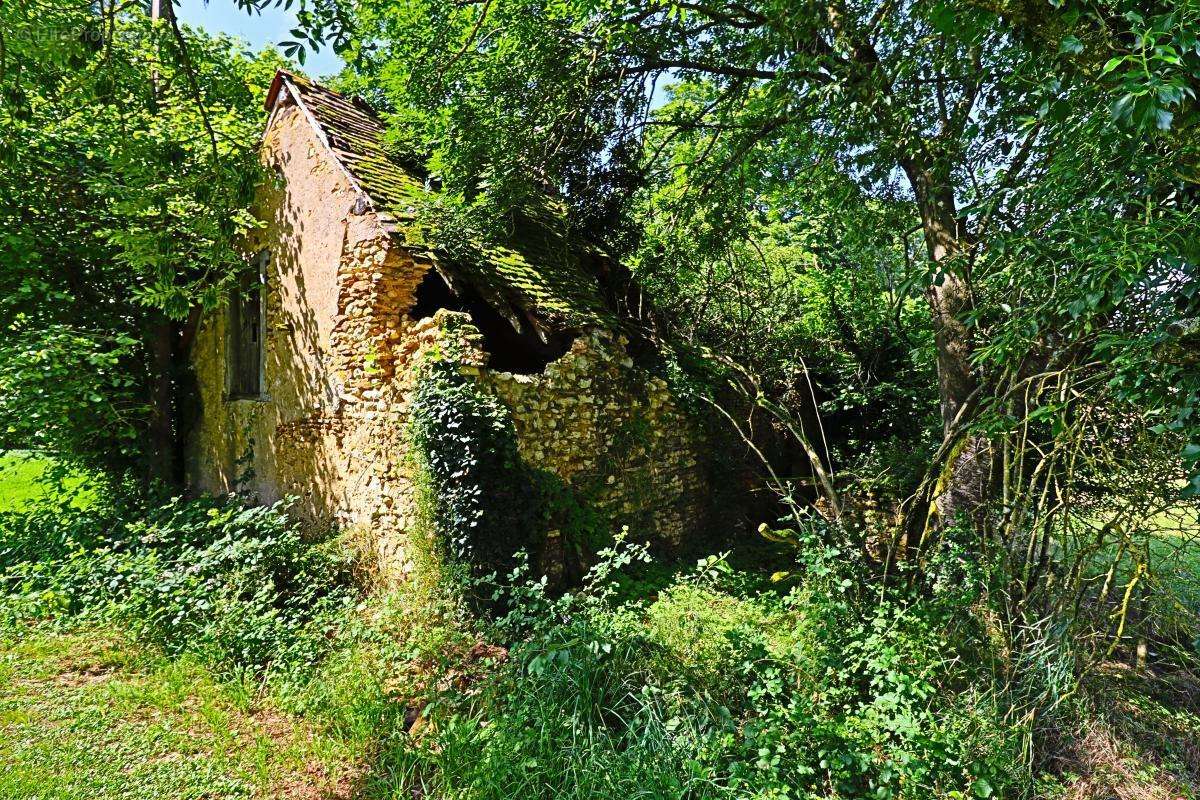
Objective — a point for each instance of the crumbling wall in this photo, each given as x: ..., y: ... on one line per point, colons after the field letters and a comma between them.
x: 608, y: 430
x: 613, y: 433
x: 342, y: 364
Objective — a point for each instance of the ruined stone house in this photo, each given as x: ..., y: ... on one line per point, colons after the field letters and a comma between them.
x: 305, y: 380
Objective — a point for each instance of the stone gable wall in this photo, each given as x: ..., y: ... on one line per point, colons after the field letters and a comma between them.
x: 306, y: 211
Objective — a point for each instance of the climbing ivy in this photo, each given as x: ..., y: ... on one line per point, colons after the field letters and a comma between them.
x: 481, y: 501
x: 484, y: 502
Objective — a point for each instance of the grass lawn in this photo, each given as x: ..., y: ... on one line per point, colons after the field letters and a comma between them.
x: 22, y: 481
x: 86, y: 714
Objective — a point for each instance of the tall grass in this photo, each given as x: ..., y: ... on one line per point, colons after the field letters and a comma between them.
x: 708, y: 692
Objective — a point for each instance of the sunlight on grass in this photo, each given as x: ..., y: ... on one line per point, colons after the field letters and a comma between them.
x: 1167, y: 545
x: 87, y: 714
x: 25, y: 479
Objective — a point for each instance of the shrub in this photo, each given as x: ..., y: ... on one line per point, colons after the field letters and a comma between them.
x: 573, y: 713
x: 832, y: 690
x: 58, y: 561
x: 237, y: 586
x: 705, y: 633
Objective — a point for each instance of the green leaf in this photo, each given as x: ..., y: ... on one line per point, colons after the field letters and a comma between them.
x: 981, y: 788
x: 1122, y: 108
x: 1070, y: 44
x: 1112, y: 64
x: 943, y: 18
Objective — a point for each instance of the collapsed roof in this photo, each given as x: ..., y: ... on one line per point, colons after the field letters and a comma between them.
x: 540, y: 275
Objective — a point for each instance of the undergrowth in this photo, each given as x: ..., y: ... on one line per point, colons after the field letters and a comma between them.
x: 710, y: 683
x: 828, y: 690
x: 235, y: 586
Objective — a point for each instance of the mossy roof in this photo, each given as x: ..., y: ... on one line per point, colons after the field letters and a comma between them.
x: 540, y: 268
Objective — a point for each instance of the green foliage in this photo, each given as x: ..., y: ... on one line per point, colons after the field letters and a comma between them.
x: 709, y: 688
x: 73, y: 390
x: 830, y: 690
x: 128, y: 167
x: 237, y: 587
x: 767, y: 180
x: 484, y: 502
x: 764, y: 168
x: 814, y: 307
x: 875, y: 213
x: 1153, y: 67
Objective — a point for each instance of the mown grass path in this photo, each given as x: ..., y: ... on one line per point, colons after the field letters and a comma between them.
x: 85, y: 714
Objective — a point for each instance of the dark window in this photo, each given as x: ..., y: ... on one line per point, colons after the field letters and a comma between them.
x: 246, y: 331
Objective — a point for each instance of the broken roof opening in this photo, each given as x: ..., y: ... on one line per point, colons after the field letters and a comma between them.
x: 509, y: 349
x: 543, y: 269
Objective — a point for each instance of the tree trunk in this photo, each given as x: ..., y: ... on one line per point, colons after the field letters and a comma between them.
x: 963, y: 486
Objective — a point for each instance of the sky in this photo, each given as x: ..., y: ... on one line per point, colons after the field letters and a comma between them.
x: 271, y: 27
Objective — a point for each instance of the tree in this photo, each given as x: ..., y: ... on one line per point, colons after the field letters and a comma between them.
x: 129, y: 163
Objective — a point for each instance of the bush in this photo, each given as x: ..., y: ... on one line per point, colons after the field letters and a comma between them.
x: 58, y: 561
x: 237, y: 583
x: 704, y: 633
x: 236, y: 586
x: 572, y: 713
x: 832, y: 690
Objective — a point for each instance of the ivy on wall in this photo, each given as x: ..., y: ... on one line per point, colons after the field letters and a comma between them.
x: 484, y: 501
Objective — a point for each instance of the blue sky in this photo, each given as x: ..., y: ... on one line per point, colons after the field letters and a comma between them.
x: 271, y: 27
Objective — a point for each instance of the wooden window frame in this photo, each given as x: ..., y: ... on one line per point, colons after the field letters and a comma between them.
x: 237, y: 387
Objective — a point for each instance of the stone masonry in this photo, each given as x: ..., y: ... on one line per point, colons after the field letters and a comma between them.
x: 341, y: 352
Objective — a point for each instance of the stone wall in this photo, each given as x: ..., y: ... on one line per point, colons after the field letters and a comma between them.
x: 281, y: 443
x: 342, y: 359
x: 613, y: 433
x: 608, y: 430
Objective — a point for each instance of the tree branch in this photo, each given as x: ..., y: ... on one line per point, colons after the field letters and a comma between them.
x: 190, y: 72
x: 699, y: 66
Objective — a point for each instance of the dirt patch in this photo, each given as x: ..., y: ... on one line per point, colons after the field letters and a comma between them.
x: 72, y: 678
x: 316, y: 783
x: 89, y: 676
x: 1143, y: 742
x: 1108, y: 770
x: 275, y: 726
